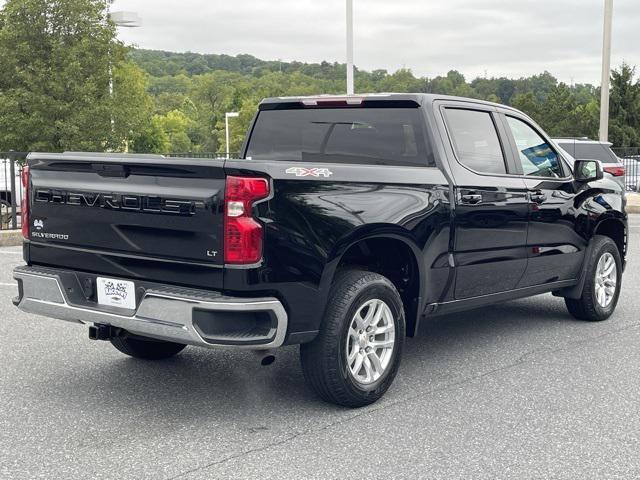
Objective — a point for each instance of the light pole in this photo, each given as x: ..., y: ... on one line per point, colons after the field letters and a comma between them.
x: 606, y: 71
x: 120, y: 19
x: 350, y: 88
x: 227, y: 116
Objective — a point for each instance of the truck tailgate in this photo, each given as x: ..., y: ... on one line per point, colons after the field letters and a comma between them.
x: 129, y: 215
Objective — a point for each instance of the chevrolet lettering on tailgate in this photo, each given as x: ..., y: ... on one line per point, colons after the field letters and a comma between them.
x: 113, y: 201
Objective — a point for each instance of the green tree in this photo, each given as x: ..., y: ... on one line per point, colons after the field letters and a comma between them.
x: 401, y: 81
x: 624, y: 128
x: 130, y: 104
x: 213, y: 94
x: 540, y: 85
x: 528, y: 103
x: 588, y: 119
x: 54, y: 77
x: 175, y: 125
x: 152, y: 138
x: 237, y: 127
x: 557, y: 115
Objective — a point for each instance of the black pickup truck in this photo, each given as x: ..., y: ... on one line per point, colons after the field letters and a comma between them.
x: 346, y: 222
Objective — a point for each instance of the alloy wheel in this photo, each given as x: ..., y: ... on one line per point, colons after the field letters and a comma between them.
x: 370, y: 341
x: 606, y: 280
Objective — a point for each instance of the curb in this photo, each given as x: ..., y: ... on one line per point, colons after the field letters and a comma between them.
x: 633, y: 209
x: 633, y: 202
x: 10, y: 238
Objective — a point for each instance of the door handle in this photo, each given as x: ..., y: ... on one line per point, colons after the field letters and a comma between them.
x: 471, y: 198
x: 537, y: 196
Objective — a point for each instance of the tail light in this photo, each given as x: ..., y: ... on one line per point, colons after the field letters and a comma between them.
x: 243, y: 235
x: 24, y: 207
x: 615, y: 171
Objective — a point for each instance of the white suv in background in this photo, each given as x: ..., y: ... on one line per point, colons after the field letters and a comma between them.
x: 586, y: 149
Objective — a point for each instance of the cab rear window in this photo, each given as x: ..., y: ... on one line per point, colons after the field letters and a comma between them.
x: 373, y: 136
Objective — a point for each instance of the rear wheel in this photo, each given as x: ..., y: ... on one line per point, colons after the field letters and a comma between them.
x: 356, y: 355
x: 602, y: 284
x: 147, y: 349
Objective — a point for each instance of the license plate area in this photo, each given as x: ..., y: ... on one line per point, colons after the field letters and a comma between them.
x: 116, y: 293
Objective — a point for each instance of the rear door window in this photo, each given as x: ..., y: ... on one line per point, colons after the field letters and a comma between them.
x: 475, y: 140
x: 373, y: 136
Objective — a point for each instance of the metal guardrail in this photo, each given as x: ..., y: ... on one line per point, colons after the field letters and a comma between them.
x: 10, y: 189
x: 632, y: 173
x: 630, y: 157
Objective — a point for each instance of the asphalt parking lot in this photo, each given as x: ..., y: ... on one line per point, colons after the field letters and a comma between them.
x: 518, y: 390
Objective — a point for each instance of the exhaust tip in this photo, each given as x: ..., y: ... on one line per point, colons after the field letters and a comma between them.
x: 267, y: 360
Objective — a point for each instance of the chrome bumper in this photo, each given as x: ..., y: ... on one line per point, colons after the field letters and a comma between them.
x: 164, y: 312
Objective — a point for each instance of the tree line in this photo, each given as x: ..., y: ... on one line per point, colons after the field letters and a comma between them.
x: 67, y: 83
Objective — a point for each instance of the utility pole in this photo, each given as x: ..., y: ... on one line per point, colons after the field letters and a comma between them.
x: 350, y: 88
x: 606, y: 71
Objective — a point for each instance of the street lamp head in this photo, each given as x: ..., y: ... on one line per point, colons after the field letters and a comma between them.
x: 126, y: 19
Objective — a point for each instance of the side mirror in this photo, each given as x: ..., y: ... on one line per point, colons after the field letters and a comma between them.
x: 587, y: 170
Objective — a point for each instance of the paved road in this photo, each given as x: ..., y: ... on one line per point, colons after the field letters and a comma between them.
x: 518, y: 390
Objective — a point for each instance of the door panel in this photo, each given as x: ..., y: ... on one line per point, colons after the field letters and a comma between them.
x: 491, y: 205
x: 555, y: 249
x: 490, y: 238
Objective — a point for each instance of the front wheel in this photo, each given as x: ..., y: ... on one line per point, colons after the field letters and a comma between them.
x: 602, y: 284
x: 355, y: 357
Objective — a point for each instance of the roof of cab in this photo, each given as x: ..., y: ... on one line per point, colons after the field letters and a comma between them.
x: 420, y: 99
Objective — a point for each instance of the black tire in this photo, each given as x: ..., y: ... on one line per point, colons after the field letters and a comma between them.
x: 139, y: 347
x: 324, y: 360
x: 587, y: 306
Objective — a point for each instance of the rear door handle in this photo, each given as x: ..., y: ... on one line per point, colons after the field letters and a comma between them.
x: 537, y: 197
x: 471, y: 198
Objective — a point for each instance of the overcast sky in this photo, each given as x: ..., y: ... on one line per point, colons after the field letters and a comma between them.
x: 502, y: 37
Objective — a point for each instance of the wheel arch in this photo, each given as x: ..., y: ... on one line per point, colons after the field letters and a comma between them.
x: 612, y: 226
x: 615, y: 228
x: 389, y: 251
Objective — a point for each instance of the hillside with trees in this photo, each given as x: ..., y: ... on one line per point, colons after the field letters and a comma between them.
x: 57, y: 61
x: 67, y: 83
x: 191, y: 93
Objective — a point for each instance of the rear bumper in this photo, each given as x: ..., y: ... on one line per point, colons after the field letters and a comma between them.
x: 164, y: 312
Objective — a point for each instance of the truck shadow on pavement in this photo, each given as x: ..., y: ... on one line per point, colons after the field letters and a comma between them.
x: 232, y: 386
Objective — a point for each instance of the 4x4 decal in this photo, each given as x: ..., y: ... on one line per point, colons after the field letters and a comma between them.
x: 309, y: 172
